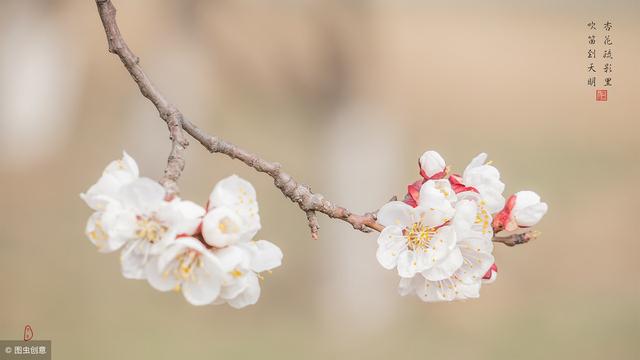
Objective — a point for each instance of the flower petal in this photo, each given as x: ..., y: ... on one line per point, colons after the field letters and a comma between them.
x: 486, y: 179
x: 183, y: 217
x: 235, y: 285
x: 426, y: 290
x: 391, y: 243
x: 406, y: 286
x: 239, y: 195
x: 432, y: 163
x: 477, y: 161
x: 465, y: 217
x: 468, y: 290
x: 432, y: 197
x: 223, y: 226
x: 206, y: 287
x: 525, y: 199
x: 475, y: 241
x: 249, y: 295
x: 264, y: 255
x: 100, y: 230
x: 134, y: 258
x: 395, y: 213
x: 475, y: 265
x: 159, y: 277
x: 444, y: 268
x: 117, y: 174
x: 444, y: 186
x: 531, y: 215
x: 142, y: 194
x: 407, y: 265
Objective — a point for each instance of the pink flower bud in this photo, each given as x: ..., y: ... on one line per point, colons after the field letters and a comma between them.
x: 523, y: 209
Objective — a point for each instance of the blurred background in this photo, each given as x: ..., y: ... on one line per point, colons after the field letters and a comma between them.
x: 347, y: 95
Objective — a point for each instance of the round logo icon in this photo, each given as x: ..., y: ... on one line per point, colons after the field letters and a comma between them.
x: 7, y: 349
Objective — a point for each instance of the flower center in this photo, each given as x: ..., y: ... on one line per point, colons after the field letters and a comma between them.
x: 227, y: 226
x: 419, y: 236
x: 187, y: 262
x: 150, y: 229
x: 98, y: 234
x: 483, y: 217
x: 236, y: 273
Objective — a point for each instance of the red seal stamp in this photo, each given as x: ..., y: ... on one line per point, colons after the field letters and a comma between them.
x: 601, y: 95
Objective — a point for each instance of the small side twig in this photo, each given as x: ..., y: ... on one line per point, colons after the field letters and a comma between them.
x: 313, y: 224
x: 517, y: 239
x: 169, y: 113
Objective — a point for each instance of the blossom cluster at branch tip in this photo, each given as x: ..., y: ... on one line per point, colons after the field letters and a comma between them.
x: 208, y: 254
x: 439, y: 238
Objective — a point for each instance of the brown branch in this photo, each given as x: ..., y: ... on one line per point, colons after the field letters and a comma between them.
x: 169, y: 113
x: 300, y: 194
x: 517, y: 239
x: 309, y: 202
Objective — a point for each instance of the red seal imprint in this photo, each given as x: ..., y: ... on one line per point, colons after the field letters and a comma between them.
x: 28, y: 333
x: 601, y: 95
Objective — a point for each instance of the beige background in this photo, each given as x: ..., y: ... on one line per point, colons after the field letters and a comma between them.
x: 346, y: 95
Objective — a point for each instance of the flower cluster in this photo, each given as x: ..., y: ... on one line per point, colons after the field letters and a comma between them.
x: 439, y: 239
x: 206, y: 253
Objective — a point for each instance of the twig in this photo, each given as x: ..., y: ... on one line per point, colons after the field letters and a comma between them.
x: 169, y: 113
x: 309, y: 202
x: 517, y: 239
x: 313, y: 224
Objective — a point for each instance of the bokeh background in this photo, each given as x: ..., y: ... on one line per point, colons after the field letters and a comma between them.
x: 347, y: 95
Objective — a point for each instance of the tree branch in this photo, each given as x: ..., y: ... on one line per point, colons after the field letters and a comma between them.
x: 169, y: 113
x: 309, y: 202
x: 517, y: 239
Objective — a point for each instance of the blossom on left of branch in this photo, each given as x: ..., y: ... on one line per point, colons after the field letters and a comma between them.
x: 131, y: 214
x: 162, y: 240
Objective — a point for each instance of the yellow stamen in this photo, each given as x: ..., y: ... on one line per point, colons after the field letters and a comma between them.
x: 150, y: 230
x: 419, y: 236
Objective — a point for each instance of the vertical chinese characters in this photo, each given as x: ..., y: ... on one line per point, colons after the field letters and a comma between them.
x: 607, y: 54
x: 600, y: 46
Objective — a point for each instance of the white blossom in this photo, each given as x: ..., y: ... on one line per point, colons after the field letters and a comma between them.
x: 528, y: 210
x: 419, y: 239
x: 442, y: 247
x: 150, y: 223
x: 186, y: 265
x: 485, y: 178
x: 117, y: 174
x: 232, y: 215
x: 132, y: 214
x: 103, y: 228
x: 229, y: 226
x: 244, y: 263
x: 449, y: 256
